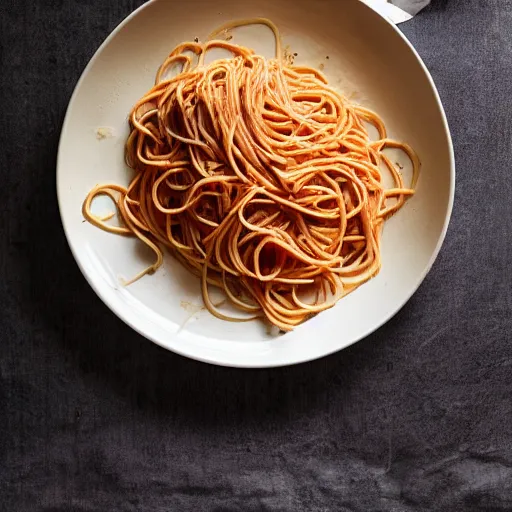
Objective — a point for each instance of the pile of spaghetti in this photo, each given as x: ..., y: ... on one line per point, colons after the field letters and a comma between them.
x: 261, y: 179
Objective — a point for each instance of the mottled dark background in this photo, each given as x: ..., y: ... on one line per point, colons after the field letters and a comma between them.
x: 93, y: 418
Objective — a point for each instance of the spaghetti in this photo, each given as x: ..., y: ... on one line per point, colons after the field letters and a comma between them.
x: 260, y: 178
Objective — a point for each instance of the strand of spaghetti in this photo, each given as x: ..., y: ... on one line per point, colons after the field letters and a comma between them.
x: 251, y: 21
x: 95, y: 220
x: 211, y: 307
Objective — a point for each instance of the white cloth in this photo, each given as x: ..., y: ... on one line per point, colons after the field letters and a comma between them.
x: 398, y: 11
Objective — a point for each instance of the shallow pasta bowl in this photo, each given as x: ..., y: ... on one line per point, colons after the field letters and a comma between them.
x: 367, y: 59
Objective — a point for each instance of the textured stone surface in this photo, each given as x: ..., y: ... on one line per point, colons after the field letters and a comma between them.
x: 93, y: 418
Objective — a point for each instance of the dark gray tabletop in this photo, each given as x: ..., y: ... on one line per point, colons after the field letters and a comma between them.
x: 93, y: 418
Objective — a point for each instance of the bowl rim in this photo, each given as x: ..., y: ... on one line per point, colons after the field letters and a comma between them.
x: 248, y: 363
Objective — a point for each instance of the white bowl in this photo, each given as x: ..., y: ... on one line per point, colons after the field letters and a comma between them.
x: 369, y: 59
